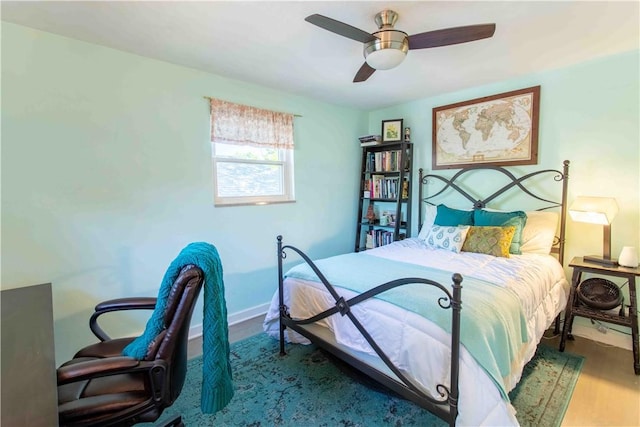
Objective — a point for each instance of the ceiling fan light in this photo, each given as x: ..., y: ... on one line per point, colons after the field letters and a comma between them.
x: 385, y: 59
x: 387, y: 51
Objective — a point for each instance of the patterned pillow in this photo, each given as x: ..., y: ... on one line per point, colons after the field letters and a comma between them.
x: 518, y: 219
x: 489, y: 240
x: 449, y: 238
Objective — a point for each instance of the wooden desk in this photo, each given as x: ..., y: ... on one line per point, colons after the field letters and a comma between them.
x: 574, y: 308
x: 29, y: 385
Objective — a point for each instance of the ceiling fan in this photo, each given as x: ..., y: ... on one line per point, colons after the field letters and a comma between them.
x: 387, y: 48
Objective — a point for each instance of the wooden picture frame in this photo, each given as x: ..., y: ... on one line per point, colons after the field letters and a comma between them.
x: 497, y: 130
x: 392, y: 130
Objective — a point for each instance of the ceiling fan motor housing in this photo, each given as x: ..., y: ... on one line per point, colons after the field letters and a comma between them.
x: 388, y: 50
x: 390, y: 46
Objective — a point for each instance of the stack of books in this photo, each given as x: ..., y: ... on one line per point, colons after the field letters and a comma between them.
x: 368, y: 140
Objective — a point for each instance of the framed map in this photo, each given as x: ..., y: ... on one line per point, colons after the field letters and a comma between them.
x: 495, y: 130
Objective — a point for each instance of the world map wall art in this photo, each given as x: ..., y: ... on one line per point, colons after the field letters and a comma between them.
x: 498, y: 130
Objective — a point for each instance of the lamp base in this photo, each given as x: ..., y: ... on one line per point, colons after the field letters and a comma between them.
x: 601, y: 260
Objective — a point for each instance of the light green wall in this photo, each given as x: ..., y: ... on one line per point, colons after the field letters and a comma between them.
x: 106, y: 175
x: 589, y: 114
x: 106, y: 170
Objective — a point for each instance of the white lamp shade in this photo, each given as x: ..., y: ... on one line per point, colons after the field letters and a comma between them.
x: 594, y: 210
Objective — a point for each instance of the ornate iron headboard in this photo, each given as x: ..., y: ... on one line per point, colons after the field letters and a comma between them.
x: 462, y: 184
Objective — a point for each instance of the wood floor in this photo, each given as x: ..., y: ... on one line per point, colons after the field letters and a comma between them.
x: 607, y: 392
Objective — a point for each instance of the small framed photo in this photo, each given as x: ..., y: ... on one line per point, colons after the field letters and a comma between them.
x: 392, y: 130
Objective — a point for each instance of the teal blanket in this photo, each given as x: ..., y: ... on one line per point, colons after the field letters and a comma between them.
x: 217, y: 384
x: 493, y: 326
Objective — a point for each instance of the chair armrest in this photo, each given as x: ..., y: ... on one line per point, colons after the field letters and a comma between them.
x: 95, y: 368
x: 135, y: 303
x: 119, y: 304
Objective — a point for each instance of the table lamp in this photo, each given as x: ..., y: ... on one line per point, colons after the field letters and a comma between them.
x: 597, y: 210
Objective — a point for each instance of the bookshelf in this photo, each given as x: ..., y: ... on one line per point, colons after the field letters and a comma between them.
x: 385, y: 188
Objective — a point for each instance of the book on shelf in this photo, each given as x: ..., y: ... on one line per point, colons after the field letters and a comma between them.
x: 382, y: 187
x: 369, y: 140
x: 369, y: 241
x: 383, y: 161
x: 370, y: 143
x: 377, y: 238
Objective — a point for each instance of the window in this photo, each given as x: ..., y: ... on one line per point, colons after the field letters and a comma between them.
x: 252, y: 153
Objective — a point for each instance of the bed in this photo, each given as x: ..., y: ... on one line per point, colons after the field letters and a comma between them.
x: 447, y: 319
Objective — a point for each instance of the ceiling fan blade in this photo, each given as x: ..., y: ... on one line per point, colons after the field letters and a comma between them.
x: 340, y: 28
x: 449, y: 36
x: 363, y: 73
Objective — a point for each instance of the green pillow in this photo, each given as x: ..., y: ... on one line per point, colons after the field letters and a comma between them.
x: 452, y: 217
x: 489, y: 240
x: 503, y: 219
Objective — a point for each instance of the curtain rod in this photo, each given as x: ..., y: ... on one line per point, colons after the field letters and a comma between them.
x: 295, y: 115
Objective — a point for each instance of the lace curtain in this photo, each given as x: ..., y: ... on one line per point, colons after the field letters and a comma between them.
x: 244, y: 125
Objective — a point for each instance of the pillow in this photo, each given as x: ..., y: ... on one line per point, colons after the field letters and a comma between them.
x: 453, y: 217
x: 517, y: 219
x: 429, y: 217
x: 449, y: 238
x: 489, y: 240
x: 539, y: 232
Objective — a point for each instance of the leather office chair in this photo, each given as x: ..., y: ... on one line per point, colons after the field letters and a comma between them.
x: 100, y: 387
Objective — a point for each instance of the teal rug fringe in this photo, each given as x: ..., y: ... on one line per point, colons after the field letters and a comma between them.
x: 306, y: 388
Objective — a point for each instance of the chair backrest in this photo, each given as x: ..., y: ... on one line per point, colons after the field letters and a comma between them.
x: 172, y: 343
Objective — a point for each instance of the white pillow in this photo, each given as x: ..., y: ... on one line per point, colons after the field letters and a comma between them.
x: 429, y: 218
x: 447, y: 237
x: 539, y: 232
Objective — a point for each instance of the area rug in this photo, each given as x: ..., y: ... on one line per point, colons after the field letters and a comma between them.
x: 308, y: 388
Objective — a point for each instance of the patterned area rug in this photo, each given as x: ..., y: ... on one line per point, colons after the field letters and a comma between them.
x: 307, y: 388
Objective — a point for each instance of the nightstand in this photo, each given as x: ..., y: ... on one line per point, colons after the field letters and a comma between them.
x: 576, y: 308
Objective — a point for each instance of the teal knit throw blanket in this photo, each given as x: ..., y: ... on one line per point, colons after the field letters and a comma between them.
x: 217, y: 383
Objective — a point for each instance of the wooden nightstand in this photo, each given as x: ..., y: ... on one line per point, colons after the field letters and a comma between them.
x: 575, y: 308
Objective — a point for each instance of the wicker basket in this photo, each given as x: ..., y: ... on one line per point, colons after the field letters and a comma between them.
x: 599, y: 293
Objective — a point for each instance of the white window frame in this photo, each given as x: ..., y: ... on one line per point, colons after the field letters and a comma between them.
x: 286, y: 180
x: 241, y: 125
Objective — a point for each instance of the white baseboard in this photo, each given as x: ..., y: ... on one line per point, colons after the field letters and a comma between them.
x: 611, y: 337
x: 232, y: 319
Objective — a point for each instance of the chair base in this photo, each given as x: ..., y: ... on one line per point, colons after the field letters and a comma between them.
x: 175, y: 422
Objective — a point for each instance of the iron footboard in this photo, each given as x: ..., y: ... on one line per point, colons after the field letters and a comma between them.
x: 447, y: 406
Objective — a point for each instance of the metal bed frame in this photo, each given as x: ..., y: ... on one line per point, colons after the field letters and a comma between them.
x: 446, y: 407
x: 453, y: 183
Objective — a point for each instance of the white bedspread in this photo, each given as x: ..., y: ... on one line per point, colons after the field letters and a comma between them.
x: 422, y: 349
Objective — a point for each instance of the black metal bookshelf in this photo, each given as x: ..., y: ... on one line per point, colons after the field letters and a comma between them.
x: 385, y: 186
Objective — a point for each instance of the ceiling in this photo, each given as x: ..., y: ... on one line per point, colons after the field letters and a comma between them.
x: 270, y: 44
